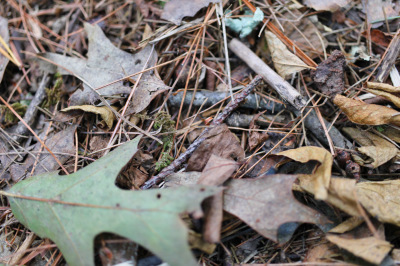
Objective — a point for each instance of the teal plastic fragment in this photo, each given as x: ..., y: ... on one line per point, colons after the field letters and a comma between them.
x: 245, y: 25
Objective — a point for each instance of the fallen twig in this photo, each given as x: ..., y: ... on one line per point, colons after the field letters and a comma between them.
x: 281, y: 86
x: 239, y: 98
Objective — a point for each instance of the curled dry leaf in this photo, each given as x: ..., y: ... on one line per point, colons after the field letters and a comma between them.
x: 383, y: 87
x: 105, y: 112
x: 370, y: 249
x: 367, y: 114
x: 375, y: 147
x: 285, y: 62
x: 320, y: 178
x: 388, y: 96
x: 266, y: 203
x: 113, y: 64
x: 176, y: 10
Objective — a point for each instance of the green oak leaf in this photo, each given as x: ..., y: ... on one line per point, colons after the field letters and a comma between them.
x: 72, y: 209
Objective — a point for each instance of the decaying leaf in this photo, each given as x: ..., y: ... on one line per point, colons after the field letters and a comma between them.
x: 320, y: 178
x: 266, y: 203
x: 106, y: 114
x: 367, y: 114
x: 71, y: 210
x: 61, y: 144
x: 285, y: 62
x: 375, y: 147
x: 378, y: 10
x: 106, y: 64
x: 328, y: 5
x: 370, y: 249
x: 176, y: 10
x: 220, y: 141
x: 381, y: 199
x: 329, y: 76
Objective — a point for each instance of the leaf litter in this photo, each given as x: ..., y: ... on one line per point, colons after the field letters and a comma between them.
x: 273, y: 183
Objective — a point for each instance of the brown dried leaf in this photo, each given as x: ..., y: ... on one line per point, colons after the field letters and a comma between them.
x: 176, y: 10
x: 378, y: 10
x: 105, y: 112
x: 370, y: 249
x: 329, y: 75
x: 215, y: 173
x: 220, y: 141
x: 381, y: 199
x: 375, y: 147
x: 266, y: 203
x: 320, y: 178
x: 329, y: 5
x: 367, y: 114
x: 285, y: 62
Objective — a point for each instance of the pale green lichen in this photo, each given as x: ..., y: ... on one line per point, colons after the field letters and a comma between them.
x: 245, y: 25
x: 163, y: 120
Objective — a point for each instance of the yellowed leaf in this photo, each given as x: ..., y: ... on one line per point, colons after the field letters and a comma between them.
x: 341, y: 193
x: 105, y: 113
x: 285, y: 62
x: 367, y: 114
x: 388, y: 96
x: 381, y: 199
x: 347, y: 225
x: 320, y: 178
x: 383, y: 87
x: 370, y: 249
x: 375, y: 147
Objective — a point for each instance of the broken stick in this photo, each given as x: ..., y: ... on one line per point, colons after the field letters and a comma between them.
x: 281, y: 86
x: 239, y: 98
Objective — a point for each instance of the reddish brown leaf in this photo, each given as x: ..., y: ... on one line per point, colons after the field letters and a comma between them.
x: 220, y: 141
x: 216, y: 172
x: 267, y: 203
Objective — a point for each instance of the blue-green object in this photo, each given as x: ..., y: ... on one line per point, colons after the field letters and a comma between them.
x: 245, y: 25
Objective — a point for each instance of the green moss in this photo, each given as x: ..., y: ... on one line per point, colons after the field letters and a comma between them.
x: 54, y: 93
x: 163, y: 120
x: 9, y: 117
